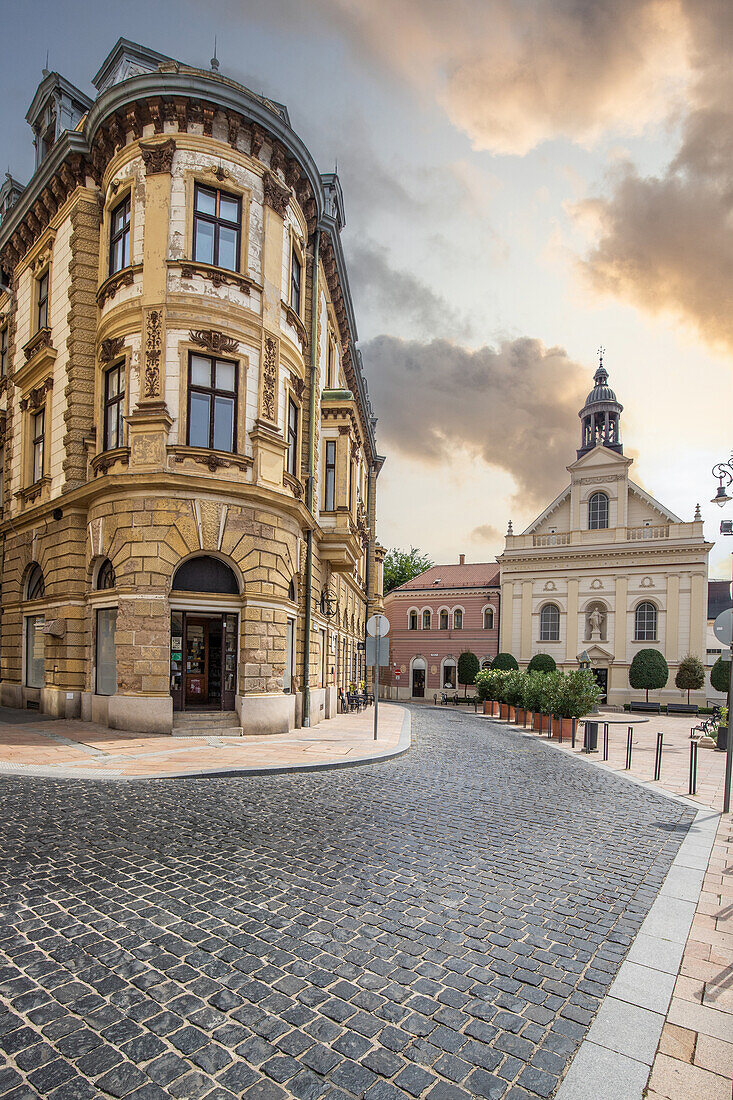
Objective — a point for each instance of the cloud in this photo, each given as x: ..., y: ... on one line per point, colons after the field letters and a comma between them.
x: 399, y: 297
x: 512, y: 74
x: 665, y: 243
x: 486, y: 533
x: 440, y: 402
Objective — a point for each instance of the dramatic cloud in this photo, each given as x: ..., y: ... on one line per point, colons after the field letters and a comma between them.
x: 486, y: 533
x: 512, y: 74
x: 665, y: 243
x: 399, y: 297
x: 438, y: 401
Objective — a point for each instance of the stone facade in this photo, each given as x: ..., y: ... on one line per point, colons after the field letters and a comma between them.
x: 109, y: 486
x: 606, y: 569
x: 434, y: 618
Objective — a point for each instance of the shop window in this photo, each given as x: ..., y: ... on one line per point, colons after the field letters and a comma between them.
x: 34, y: 651
x: 106, y: 655
x: 217, y: 227
x: 212, y: 401
x: 449, y: 675
x: 119, y: 241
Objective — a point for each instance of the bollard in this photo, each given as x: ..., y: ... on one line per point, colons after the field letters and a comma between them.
x: 658, y: 758
x: 693, y: 768
x: 605, y: 740
x: 629, y: 746
x: 573, y: 724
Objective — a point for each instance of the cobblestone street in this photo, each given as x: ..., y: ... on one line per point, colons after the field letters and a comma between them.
x: 442, y: 925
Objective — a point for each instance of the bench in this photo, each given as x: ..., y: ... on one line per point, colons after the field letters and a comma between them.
x: 646, y: 708
x: 682, y: 708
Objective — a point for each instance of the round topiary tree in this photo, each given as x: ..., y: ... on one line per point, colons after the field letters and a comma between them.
x: 648, y: 670
x: 542, y: 662
x: 468, y: 669
x: 720, y: 675
x: 505, y: 661
x: 690, y: 675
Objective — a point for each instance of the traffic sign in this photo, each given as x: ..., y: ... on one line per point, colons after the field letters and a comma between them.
x: 378, y: 624
x: 723, y: 627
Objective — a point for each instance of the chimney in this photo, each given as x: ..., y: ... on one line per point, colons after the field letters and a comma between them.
x: 462, y: 559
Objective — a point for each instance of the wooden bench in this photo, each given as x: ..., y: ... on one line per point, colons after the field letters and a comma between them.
x: 682, y: 708
x: 646, y: 708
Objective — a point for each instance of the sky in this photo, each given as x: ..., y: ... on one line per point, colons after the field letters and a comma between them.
x: 524, y: 181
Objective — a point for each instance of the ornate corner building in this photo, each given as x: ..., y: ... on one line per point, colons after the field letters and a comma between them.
x: 605, y: 570
x: 189, y: 463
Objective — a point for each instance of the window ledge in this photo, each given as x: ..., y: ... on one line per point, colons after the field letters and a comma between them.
x: 219, y: 276
x: 101, y: 463
x: 32, y: 491
x: 645, y: 641
x: 110, y: 286
x: 213, y: 460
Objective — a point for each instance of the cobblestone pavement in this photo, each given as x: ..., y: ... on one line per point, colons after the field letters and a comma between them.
x: 439, y: 926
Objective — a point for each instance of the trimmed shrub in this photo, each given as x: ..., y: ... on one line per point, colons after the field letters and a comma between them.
x: 542, y: 662
x: 649, y: 671
x: 690, y: 675
x: 577, y: 693
x: 505, y: 662
x: 720, y: 675
x: 468, y: 669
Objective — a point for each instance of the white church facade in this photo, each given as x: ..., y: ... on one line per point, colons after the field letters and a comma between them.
x: 606, y: 570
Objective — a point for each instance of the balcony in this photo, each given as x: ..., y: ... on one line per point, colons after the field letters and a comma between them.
x: 560, y: 539
x: 639, y: 534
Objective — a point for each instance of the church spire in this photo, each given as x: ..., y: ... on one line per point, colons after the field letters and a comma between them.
x: 601, y: 414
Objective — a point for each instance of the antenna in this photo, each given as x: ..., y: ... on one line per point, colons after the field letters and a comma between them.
x: 214, y: 61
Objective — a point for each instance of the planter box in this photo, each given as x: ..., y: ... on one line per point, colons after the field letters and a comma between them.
x: 520, y: 713
x: 536, y: 720
x: 569, y: 727
x: 510, y: 715
x: 503, y: 710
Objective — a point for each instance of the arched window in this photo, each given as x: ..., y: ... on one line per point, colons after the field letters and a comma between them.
x: 412, y: 621
x: 645, y: 622
x: 458, y: 619
x: 426, y: 620
x: 35, y: 586
x: 550, y: 623
x: 488, y: 618
x: 449, y: 674
x: 486, y: 664
x: 597, y: 511
x: 205, y: 574
x: 106, y: 575
x: 444, y: 619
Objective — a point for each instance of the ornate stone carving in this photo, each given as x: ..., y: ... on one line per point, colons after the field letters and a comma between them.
x: 298, y: 386
x: 109, y: 288
x: 218, y: 278
x: 596, y: 583
x: 257, y: 138
x: 42, y: 339
x: 35, y: 398
x: 276, y: 195
x: 111, y: 349
x: 647, y: 582
x: 550, y: 586
x: 214, y: 341
x: 153, y: 352
x: 269, y: 378
x: 158, y: 156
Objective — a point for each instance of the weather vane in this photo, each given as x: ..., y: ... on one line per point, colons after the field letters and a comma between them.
x: 601, y: 353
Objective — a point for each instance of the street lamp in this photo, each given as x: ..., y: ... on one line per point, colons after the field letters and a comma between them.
x: 724, y: 473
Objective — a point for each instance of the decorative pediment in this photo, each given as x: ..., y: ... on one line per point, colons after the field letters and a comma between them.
x: 597, y: 653
x: 214, y: 341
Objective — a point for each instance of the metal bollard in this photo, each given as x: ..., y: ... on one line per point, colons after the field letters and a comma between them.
x: 605, y: 740
x: 629, y: 746
x: 574, y: 723
x: 658, y: 758
x: 693, y: 768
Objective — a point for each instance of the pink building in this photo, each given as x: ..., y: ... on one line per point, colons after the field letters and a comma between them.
x: 433, y: 619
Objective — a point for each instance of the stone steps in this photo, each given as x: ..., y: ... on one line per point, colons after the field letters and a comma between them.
x: 210, y: 723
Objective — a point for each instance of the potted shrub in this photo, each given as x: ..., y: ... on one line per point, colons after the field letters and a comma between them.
x: 513, y: 693
x: 720, y: 680
x: 487, y: 683
x: 577, y: 693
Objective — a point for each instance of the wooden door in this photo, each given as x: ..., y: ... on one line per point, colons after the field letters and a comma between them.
x: 197, y: 661
x: 418, y: 683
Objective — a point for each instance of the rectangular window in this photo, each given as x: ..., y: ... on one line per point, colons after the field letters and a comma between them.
x: 34, y: 663
x: 217, y: 227
x: 289, y: 651
x: 329, y: 501
x: 106, y: 656
x: 39, y: 423
x: 324, y: 657
x: 3, y: 351
x: 119, y: 241
x: 114, y: 406
x: 292, y: 437
x: 296, y: 270
x: 42, y: 302
x: 212, y: 401
x: 329, y: 371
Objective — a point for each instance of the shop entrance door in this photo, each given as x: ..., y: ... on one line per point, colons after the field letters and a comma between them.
x: 203, y: 660
x: 601, y: 675
x: 418, y: 683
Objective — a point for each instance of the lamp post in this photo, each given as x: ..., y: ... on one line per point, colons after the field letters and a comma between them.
x: 724, y: 473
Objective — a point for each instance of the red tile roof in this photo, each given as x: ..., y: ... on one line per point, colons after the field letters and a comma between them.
x: 475, y: 575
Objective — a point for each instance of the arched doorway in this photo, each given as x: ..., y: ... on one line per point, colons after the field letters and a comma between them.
x: 418, y: 677
x: 204, y: 634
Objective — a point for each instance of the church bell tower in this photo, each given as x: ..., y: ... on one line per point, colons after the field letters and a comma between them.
x: 600, y: 415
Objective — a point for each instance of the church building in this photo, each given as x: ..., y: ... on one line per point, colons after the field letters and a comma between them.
x: 605, y: 570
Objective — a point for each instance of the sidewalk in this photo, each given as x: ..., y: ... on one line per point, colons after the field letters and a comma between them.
x: 32, y: 745
x: 692, y: 1001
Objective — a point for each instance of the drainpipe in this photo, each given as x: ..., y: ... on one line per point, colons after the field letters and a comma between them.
x: 370, y: 551
x: 309, y: 487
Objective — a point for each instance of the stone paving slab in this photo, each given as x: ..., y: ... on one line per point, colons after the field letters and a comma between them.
x: 444, y: 926
x: 82, y: 749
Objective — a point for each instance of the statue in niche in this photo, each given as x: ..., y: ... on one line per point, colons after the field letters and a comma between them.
x: 596, y: 624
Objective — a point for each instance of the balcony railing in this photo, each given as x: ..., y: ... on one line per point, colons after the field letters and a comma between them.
x: 637, y: 534
x: 561, y: 539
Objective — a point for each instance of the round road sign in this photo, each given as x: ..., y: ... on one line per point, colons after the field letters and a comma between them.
x: 378, y: 624
x: 723, y: 627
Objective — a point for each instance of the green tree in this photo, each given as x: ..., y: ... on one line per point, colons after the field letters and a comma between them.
x: 401, y: 566
x: 648, y: 670
x: 542, y: 662
x: 720, y: 675
x: 468, y: 668
x: 505, y: 662
x: 690, y: 675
